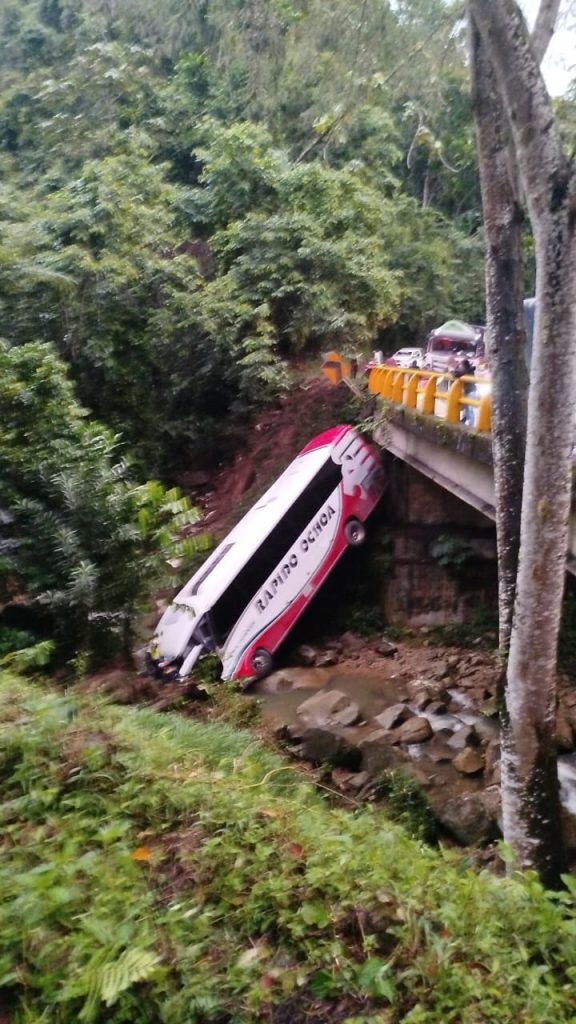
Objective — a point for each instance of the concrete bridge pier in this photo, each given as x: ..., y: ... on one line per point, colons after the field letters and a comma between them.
x: 443, y: 559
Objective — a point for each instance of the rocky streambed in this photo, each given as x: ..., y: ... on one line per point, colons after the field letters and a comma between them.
x: 428, y: 713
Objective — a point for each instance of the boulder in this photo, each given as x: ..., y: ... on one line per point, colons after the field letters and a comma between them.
x: 465, y: 736
x: 437, y: 707
x: 393, y: 716
x: 469, y: 761
x: 321, y: 746
x: 378, y: 754
x: 329, y: 708
x: 467, y: 819
x: 438, y: 751
x: 326, y: 658
x: 421, y: 699
x: 443, y: 670
x: 349, y: 781
x: 414, y: 730
x: 386, y: 648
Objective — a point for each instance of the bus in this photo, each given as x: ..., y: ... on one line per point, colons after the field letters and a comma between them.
x: 246, y: 597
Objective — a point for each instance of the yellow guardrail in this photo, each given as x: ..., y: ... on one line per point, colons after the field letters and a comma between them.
x: 433, y: 394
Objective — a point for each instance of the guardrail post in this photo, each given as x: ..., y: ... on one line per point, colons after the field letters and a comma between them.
x: 453, y: 399
x: 398, y: 387
x: 412, y: 390
x: 429, y: 395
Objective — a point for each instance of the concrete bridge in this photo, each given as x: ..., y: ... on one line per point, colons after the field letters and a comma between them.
x: 422, y: 427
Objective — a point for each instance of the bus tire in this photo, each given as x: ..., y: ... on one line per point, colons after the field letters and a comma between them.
x: 355, y: 533
x: 261, y: 662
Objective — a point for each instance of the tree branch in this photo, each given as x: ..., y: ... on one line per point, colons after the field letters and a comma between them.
x: 536, y: 136
x: 544, y: 27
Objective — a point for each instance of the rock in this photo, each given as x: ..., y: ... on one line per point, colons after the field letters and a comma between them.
x: 436, y: 750
x: 443, y: 670
x: 326, y: 658
x: 469, y: 761
x: 349, y: 780
x: 489, y: 707
x: 437, y: 707
x: 278, y: 682
x: 421, y: 699
x: 467, y: 819
x: 415, y: 730
x: 453, y: 661
x: 394, y: 716
x: 378, y: 754
x: 465, y: 736
x: 306, y: 655
x: 329, y: 708
x: 322, y: 746
x: 386, y: 648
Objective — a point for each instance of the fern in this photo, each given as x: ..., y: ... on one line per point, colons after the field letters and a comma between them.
x: 134, y: 965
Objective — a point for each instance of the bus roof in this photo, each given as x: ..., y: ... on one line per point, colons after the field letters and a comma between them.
x: 247, y: 536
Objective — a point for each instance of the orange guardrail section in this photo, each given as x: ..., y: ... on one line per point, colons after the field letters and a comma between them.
x: 434, y: 394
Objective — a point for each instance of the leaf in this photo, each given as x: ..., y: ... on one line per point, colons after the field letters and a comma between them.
x: 134, y: 965
x: 142, y: 853
x: 322, y: 984
x: 373, y: 979
x: 315, y: 913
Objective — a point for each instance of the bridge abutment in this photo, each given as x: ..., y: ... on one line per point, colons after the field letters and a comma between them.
x: 443, y: 565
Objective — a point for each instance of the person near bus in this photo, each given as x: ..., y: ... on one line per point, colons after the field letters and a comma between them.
x: 465, y: 369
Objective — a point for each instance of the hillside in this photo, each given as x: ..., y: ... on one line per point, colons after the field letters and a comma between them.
x: 155, y: 869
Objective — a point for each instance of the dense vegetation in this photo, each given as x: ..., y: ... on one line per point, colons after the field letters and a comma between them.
x: 191, y: 195
x: 157, y: 869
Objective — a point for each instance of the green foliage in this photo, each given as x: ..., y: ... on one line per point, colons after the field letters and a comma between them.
x: 155, y: 868
x: 85, y: 540
x: 451, y: 551
x: 406, y: 803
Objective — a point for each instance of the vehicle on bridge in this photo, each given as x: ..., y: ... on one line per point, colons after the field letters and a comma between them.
x: 453, y: 338
x: 250, y: 592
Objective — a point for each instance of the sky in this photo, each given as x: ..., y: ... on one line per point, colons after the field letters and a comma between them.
x: 559, y: 67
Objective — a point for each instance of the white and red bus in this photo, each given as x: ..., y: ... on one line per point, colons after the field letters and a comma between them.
x: 255, y: 585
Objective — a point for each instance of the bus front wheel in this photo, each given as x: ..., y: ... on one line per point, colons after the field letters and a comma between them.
x: 261, y: 662
x: 355, y: 533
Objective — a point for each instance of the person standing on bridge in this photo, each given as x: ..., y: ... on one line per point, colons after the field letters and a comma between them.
x: 465, y: 369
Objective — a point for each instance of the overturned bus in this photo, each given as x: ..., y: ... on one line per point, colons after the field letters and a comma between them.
x: 252, y: 589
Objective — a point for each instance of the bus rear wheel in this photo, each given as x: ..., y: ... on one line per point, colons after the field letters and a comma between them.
x: 355, y: 533
x: 261, y: 662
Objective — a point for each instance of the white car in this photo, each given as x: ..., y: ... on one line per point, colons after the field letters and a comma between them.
x: 408, y: 357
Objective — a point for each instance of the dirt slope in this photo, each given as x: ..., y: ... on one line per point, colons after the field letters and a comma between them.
x: 264, y: 448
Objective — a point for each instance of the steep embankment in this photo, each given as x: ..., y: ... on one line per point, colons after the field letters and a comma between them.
x: 263, y: 447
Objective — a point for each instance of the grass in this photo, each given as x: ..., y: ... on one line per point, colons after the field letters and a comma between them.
x: 155, y: 869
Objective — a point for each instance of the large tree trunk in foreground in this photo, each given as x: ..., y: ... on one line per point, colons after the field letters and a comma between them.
x: 529, y: 780
x: 504, y: 322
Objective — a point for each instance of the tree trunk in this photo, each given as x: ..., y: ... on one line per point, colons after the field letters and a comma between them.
x: 505, y: 328
x: 530, y: 792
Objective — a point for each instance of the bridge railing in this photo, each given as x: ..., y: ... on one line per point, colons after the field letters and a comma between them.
x: 434, y: 394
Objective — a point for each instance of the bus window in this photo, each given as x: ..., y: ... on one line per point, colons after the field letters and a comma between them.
x: 240, y: 592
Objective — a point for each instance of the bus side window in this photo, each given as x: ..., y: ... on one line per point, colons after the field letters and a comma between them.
x: 240, y: 592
